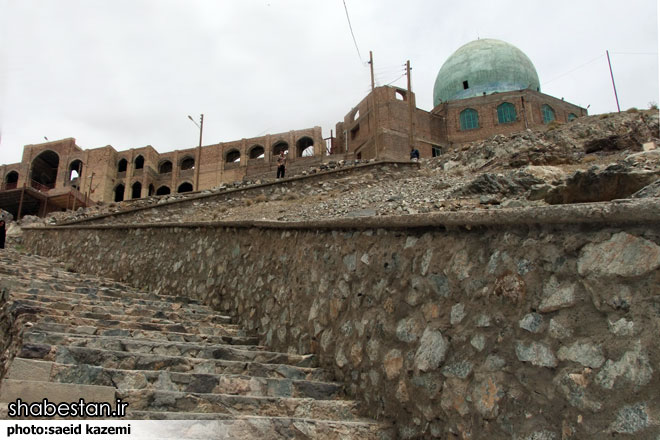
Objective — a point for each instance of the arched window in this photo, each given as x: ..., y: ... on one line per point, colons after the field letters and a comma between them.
x: 571, y: 116
x: 233, y: 156
x: 122, y: 165
x: 119, y: 193
x: 139, y: 162
x: 305, y: 147
x: 188, y: 163
x: 185, y: 187
x: 279, y: 147
x: 506, y: 112
x: 44, y: 169
x: 165, y: 167
x: 257, y: 152
x: 11, y: 180
x: 548, y: 114
x: 163, y: 190
x: 136, y: 192
x: 75, y: 169
x: 469, y: 119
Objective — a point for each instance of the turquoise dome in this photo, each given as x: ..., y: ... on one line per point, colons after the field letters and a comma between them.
x: 484, y: 66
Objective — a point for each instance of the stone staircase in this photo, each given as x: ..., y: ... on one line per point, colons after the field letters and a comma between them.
x: 67, y: 335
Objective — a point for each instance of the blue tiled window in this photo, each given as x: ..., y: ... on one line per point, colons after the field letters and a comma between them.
x: 469, y: 119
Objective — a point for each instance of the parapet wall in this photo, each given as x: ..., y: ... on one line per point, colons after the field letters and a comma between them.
x: 452, y: 325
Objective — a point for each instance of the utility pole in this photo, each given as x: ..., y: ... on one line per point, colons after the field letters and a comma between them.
x: 410, y: 104
x: 371, y: 65
x: 199, y: 148
x: 613, y: 85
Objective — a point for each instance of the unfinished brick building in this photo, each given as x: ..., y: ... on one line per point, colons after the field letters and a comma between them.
x: 486, y: 87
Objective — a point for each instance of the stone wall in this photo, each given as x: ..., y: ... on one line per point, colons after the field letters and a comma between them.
x: 499, y: 329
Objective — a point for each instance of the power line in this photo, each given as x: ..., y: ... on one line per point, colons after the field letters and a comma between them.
x: 573, y: 70
x: 352, y: 34
x: 635, y: 53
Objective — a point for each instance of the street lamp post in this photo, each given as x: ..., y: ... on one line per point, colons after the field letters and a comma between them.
x: 199, y: 148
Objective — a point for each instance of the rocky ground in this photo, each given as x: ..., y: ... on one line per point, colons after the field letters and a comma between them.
x: 596, y: 158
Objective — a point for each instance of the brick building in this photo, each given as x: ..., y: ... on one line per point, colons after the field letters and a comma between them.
x: 486, y: 87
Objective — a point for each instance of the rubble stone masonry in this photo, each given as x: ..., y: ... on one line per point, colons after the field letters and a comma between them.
x: 455, y: 325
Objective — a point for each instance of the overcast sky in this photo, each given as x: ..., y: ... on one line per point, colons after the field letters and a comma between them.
x: 127, y: 73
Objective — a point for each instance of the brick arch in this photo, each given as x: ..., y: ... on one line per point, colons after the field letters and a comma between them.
x: 278, y: 146
x: 305, y: 146
x: 233, y: 156
x: 44, y: 169
x: 184, y: 186
x: 256, y: 152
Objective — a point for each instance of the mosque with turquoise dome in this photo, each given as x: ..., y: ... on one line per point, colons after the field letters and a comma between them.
x: 485, y: 88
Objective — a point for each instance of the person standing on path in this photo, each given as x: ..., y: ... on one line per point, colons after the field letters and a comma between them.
x: 281, y: 165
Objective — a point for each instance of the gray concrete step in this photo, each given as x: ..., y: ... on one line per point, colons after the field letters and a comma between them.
x: 228, y: 353
x: 124, y: 380
x: 144, y: 346
x: 234, y: 337
x: 172, y: 401
x: 67, y: 300
x: 118, y: 310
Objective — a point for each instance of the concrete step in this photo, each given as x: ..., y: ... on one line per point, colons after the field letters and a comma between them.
x: 304, y: 370
x: 36, y: 391
x: 109, y: 301
x: 123, y: 380
x: 236, y: 339
x: 168, y: 348
x: 116, y: 357
x: 118, y: 309
x: 34, y: 316
x: 32, y: 284
x: 20, y: 308
x: 172, y: 401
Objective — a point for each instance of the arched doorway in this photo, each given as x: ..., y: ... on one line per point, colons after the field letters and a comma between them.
x: 44, y: 170
x: 185, y: 187
x: 75, y: 171
x: 11, y: 180
x: 188, y: 163
x: 279, y: 147
x: 136, y: 191
x: 256, y: 152
x: 163, y: 190
x: 165, y: 167
x: 119, y: 193
x: 233, y: 156
x: 305, y: 147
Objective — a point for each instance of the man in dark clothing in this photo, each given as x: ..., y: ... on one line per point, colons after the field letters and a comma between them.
x: 281, y: 165
x: 2, y: 233
x: 414, y: 154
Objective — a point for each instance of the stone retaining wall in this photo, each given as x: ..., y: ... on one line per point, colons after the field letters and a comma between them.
x: 545, y: 330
